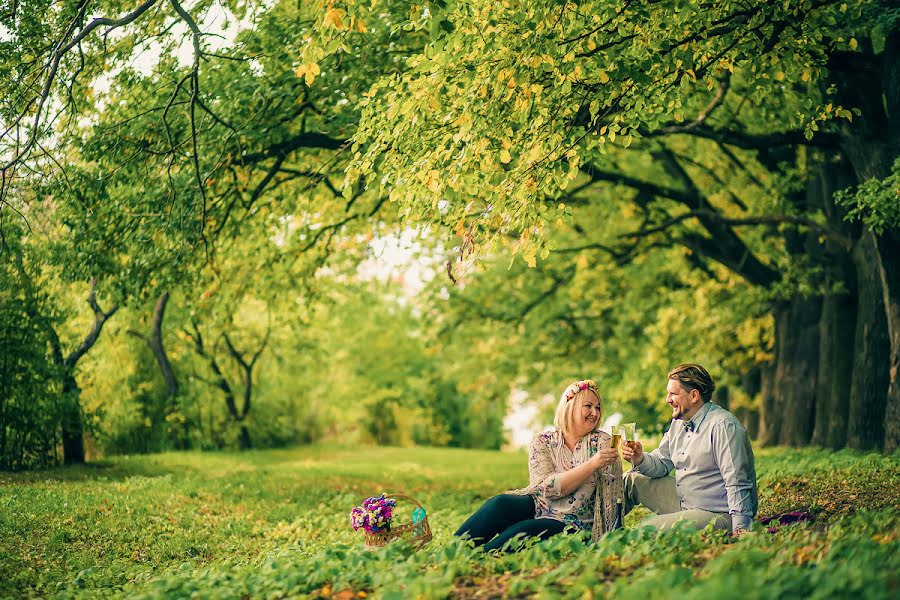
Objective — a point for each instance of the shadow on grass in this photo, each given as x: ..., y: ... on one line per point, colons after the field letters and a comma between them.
x: 101, y: 470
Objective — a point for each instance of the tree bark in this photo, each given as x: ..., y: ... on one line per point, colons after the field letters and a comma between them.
x: 247, y: 368
x: 871, y: 83
x: 888, y: 246
x: 769, y: 417
x: 796, y: 369
x: 837, y: 325
x: 72, y: 422
x: 837, y: 330
x: 155, y: 343
x: 868, y: 393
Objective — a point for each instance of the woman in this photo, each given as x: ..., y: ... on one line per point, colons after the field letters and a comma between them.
x: 575, y: 479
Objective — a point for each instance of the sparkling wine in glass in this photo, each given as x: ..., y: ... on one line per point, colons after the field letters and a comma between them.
x: 628, y: 433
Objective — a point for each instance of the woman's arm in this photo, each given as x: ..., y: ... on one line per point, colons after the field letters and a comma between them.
x: 574, y: 477
x: 552, y: 484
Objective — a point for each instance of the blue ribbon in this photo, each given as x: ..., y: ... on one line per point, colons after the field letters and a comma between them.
x: 418, y: 515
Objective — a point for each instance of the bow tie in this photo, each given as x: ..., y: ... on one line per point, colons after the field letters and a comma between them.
x: 689, y: 426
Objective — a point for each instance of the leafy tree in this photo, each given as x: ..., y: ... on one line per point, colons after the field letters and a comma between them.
x: 514, y: 103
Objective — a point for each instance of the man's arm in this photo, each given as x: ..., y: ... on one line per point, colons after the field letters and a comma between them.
x: 657, y: 463
x: 734, y: 457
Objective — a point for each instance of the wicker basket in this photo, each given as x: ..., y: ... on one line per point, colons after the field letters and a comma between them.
x: 418, y: 534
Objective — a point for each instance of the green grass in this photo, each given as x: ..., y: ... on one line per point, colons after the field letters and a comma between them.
x: 274, y: 524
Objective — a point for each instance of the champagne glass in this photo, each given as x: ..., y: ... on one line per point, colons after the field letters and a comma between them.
x: 617, y: 434
x: 628, y: 433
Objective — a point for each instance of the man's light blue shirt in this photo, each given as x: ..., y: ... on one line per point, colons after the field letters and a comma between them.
x: 713, y: 464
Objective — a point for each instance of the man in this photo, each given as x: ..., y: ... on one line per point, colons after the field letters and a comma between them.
x: 715, y: 481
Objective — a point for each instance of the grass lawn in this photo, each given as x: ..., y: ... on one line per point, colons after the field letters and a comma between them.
x: 273, y: 524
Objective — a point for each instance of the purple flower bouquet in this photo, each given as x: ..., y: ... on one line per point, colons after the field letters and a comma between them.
x: 374, y: 515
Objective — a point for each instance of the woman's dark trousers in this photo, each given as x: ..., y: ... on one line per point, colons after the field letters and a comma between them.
x: 507, y: 516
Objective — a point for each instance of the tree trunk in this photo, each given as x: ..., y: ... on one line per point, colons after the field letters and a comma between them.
x: 871, y: 83
x: 769, y: 416
x: 155, y: 343
x: 889, y: 255
x: 244, y: 439
x: 750, y: 383
x: 837, y: 325
x: 159, y: 351
x: 796, y: 370
x: 72, y: 424
x: 871, y: 377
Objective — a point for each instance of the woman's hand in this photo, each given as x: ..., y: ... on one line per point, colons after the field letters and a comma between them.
x: 605, y: 457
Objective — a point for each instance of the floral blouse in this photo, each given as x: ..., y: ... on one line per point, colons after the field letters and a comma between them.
x: 587, y: 507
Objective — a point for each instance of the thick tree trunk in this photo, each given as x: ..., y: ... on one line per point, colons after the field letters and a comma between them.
x: 889, y: 262
x: 769, y: 416
x: 871, y: 83
x: 796, y: 369
x: 868, y: 393
x: 244, y: 439
x: 750, y: 384
x: 72, y: 424
x: 837, y: 326
x: 837, y: 330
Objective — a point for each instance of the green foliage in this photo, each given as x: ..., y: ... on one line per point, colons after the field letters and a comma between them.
x: 30, y: 410
x: 875, y: 202
x: 504, y: 107
x: 274, y: 524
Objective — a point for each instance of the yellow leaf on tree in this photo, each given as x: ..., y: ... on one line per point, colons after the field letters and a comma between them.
x: 333, y: 17
x: 309, y: 71
x: 853, y: 43
x: 505, y: 156
x: 604, y: 78
x: 361, y: 25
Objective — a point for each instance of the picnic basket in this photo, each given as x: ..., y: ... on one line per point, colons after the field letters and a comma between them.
x: 417, y: 532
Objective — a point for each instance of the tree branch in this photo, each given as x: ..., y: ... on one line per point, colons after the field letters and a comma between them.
x: 100, y: 318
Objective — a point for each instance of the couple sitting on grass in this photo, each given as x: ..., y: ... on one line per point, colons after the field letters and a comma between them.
x: 576, y: 476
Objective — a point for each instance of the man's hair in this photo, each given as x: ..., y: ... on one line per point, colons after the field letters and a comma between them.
x: 694, y: 377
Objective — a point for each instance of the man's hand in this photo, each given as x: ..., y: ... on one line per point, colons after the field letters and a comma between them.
x: 633, y: 452
x: 605, y: 457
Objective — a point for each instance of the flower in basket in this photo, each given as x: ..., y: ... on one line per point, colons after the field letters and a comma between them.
x: 373, y: 515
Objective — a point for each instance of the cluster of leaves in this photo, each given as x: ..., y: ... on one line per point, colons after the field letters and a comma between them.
x: 30, y: 405
x: 875, y: 202
x: 511, y: 98
x: 275, y: 523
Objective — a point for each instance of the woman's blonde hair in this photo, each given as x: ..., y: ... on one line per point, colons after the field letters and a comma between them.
x: 565, y: 410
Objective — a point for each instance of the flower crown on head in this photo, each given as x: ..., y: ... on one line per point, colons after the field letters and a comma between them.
x: 574, y: 388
